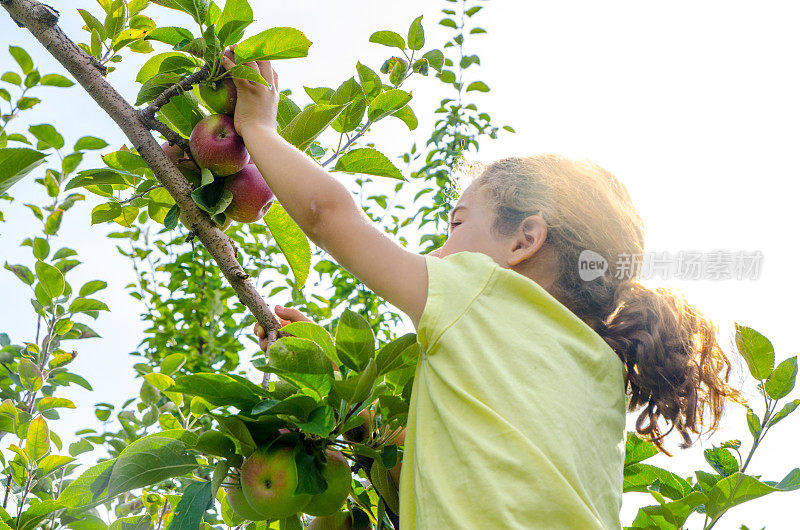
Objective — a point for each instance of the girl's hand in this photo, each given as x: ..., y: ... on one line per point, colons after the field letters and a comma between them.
x: 256, y: 104
x: 286, y: 315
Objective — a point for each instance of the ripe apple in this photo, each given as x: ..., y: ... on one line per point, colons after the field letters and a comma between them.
x: 338, y: 521
x: 251, y: 195
x: 239, y: 504
x: 269, y: 479
x: 184, y: 162
x: 216, y: 146
x: 337, y: 475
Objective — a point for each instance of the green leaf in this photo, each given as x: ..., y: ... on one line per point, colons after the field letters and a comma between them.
x: 172, y: 363
x: 416, y: 35
x: 56, y: 80
x: 51, y: 463
x: 388, y: 38
x: 27, y: 103
x: 299, y: 406
x: 170, y: 35
x: 92, y: 23
x: 218, y: 389
x: 15, y: 163
x: 53, y: 222
x: 47, y: 134
x: 316, y: 333
x: 37, y: 443
x: 638, y: 477
x: 47, y: 403
x: 11, y: 77
x: 291, y: 240
x: 300, y: 356
x: 782, y: 379
x: 23, y: 59
x: 387, y: 103
x: 722, y: 461
x: 407, y: 116
x: 90, y: 488
x: 50, y: 278
x: 41, y: 248
x: 757, y: 351
x: 241, y: 71
x: 92, y: 287
x: 319, y: 94
x: 116, y: 16
x: 738, y: 488
x: 212, y: 197
x: 147, y: 461
x: 479, y: 86
x: 754, y: 424
x: 785, y: 411
x: 370, y: 81
x: 391, y: 355
x: 171, y: 219
x: 29, y: 374
x: 165, y: 62
x: 105, y: 212
x: 355, y: 340
x: 287, y: 111
x: 198, y: 9
x: 365, y: 382
x: 235, y: 17
x: 22, y: 272
x: 196, y: 499
x: 82, y: 305
x: 309, y: 124
x: 274, y: 43
x: 135, y: 522
x: 183, y: 113
x: 90, y: 143
x: 320, y: 422
x: 349, y: 92
x: 448, y: 23
x: 367, y: 161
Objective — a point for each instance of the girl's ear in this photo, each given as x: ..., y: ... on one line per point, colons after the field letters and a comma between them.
x: 527, y: 240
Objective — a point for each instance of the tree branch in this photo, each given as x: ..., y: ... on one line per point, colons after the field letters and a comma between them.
x: 166, y: 131
x: 355, y: 137
x: 179, y: 87
x: 41, y: 21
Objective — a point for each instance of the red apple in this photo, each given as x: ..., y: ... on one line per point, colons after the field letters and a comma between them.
x: 339, y: 521
x: 239, y: 504
x: 251, y: 195
x: 184, y: 162
x: 337, y: 475
x: 269, y: 479
x: 216, y: 146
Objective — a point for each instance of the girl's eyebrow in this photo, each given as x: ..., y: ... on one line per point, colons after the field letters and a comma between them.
x: 454, y: 210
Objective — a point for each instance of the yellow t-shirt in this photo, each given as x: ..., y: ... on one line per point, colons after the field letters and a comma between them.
x: 517, y: 417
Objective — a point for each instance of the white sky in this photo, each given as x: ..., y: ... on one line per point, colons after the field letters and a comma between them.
x: 692, y: 104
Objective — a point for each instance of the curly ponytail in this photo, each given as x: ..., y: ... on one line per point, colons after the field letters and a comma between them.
x: 674, y: 362
x: 675, y: 366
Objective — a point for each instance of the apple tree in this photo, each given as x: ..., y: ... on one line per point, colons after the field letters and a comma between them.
x: 202, y: 445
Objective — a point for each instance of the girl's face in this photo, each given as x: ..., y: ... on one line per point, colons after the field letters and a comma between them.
x: 471, y: 229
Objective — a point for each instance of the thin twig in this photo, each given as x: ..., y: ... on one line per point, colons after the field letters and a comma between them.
x: 349, y: 143
x: 140, y: 195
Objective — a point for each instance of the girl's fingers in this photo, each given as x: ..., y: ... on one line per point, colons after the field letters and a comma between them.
x: 290, y: 314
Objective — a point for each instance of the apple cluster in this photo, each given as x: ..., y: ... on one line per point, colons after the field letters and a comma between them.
x: 267, y: 482
x: 216, y: 146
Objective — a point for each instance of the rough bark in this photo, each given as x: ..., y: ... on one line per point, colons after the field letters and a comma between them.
x: 42, y: 21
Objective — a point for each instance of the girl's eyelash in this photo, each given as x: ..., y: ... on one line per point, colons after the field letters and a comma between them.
x: 454, y: 223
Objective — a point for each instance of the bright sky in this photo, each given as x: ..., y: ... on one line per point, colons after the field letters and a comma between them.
x: 692, y: 105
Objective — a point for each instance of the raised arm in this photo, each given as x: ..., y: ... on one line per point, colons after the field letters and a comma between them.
x: 323, y: 208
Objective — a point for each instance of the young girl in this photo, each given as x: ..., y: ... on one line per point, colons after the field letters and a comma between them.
x: 517, y: 415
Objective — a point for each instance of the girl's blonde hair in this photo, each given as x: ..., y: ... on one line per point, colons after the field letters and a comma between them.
x: 673, y: 360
